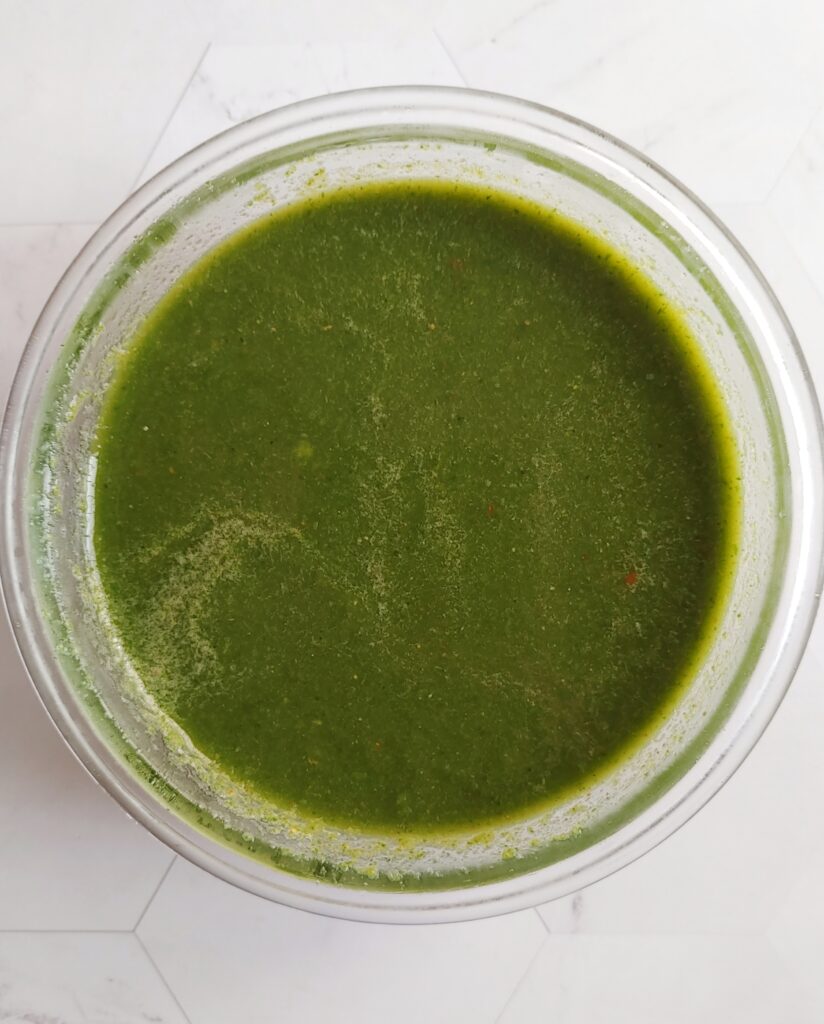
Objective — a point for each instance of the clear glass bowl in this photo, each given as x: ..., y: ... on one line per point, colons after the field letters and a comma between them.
x: 57, y: 606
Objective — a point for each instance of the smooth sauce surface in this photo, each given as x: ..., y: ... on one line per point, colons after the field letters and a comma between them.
x: 412, y: 506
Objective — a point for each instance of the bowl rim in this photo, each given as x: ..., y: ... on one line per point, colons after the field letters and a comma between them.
x: 734, y: 739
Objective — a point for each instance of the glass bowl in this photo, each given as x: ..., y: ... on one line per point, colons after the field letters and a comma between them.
x: 57, y: 605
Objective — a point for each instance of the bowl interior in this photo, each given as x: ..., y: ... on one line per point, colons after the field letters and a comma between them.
x: 98, y: 697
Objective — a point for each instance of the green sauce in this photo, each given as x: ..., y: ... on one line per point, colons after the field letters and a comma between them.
x: 414, y: 506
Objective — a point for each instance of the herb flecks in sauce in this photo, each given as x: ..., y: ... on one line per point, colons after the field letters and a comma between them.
x: 412, y: 506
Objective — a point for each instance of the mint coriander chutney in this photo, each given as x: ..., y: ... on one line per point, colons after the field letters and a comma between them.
x: 415, y: 506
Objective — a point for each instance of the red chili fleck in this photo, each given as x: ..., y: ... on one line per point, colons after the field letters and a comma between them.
x: 631, y: 578
x: 490, y: 509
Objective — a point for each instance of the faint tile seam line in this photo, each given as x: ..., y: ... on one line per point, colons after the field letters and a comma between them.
x: 168, y: 120
x: 793, y: 151
x: 797, y: 257
x: 451, y: 59
x: 522, y: 17
x: 546, y: 927
x: 162, y: 977
x: 156, y: 890
x: 522, y: 979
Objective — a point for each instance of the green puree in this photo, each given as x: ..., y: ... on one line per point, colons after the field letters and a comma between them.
x: 412, y: 506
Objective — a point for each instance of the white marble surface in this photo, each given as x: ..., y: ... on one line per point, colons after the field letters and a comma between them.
x: 722, y: 923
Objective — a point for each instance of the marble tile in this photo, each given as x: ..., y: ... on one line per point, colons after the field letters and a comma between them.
x: 678, y: 979
x: 797, y: 931
x: 722, y: 109
x: 81, y: 979
x: 726, y: 871
x: 399, y: 59
x: 263, y: 22
x: 231, y: 956
x: 236, y: 82
x: 797, y: 202
x: 84, y: 92
x: 488, y: 19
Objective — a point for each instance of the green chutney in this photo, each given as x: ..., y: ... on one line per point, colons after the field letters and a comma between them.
x: 414, y: 506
